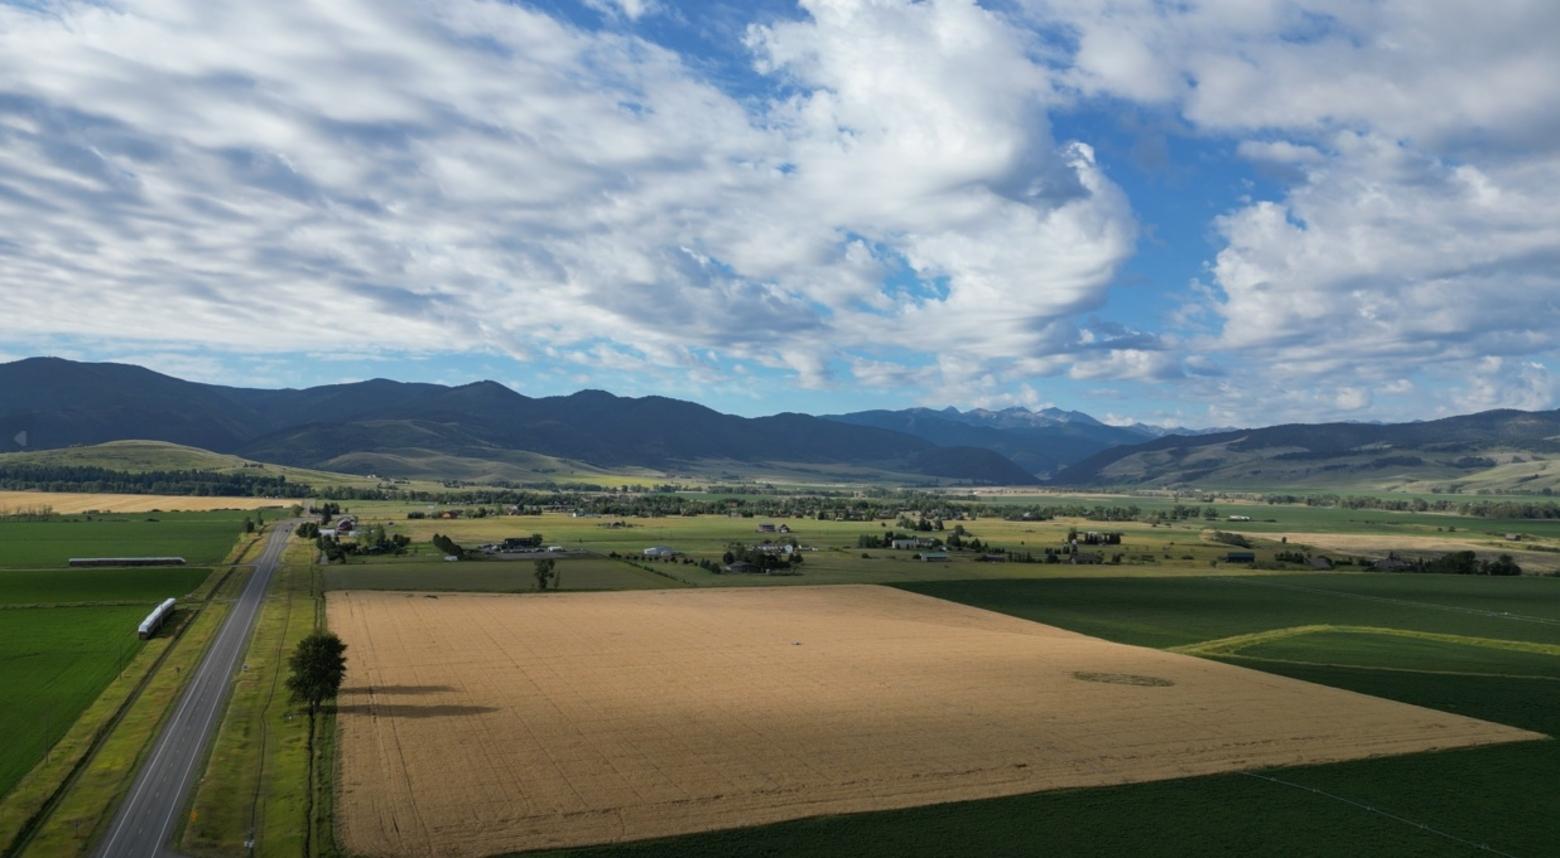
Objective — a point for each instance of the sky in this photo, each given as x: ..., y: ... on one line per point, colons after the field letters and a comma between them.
x: 1197, y: 213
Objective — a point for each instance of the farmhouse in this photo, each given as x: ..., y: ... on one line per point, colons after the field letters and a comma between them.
x: 1240, y: 518
x: 934, y: 557
x: 661, y: 551
x: 905, y: 544
x: 741, y: 567
x: 126, y: 561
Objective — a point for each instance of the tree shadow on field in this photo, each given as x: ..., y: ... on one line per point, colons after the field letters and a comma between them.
x: 407, y: 710
x: 395, y: 689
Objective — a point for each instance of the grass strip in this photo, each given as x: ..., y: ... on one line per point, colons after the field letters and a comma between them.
x: 255, y: 784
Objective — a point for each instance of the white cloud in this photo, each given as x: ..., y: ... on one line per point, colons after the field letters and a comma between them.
x: 1278, y: 152
x: 477, y: 175
x: 1418, y: 141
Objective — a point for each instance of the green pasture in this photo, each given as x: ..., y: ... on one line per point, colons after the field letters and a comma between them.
x: 201, y: 538
x: 1399, y: 652
x: 503, y: 576
x: 68, y: 586
x: 1171, y: 612
x: 53, y: 663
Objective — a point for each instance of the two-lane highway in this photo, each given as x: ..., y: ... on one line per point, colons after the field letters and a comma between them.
x: 160, y: 793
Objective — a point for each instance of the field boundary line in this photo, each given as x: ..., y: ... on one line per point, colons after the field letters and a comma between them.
x: 1483, y: 847
x: 1235, y: 643
x: 1421, y: 670
x: 1256, y: 581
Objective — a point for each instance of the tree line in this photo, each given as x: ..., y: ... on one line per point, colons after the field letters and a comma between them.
x: 87, y: 478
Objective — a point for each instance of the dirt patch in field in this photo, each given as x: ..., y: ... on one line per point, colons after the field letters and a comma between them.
x: 478, y: 724
x: 70, y: 503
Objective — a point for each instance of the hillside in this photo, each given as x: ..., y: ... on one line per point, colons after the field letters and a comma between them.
x: 140, y: 456
x: 1042, y: 442
x: 401, y: 429
x: 1490, y: 451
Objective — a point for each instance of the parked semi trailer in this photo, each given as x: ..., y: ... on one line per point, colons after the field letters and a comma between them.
x: 155, y: 619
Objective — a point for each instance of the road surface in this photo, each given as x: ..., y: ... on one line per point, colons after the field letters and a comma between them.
x: 161, y: 789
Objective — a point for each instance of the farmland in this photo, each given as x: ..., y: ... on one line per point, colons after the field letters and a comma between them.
x: 1441, y: 803
x: 418, y: 573
x: 201, y: 538
x: 629, y: 715
x: 71, y: 503
x: 66, y: 634
x: 71, y: 586
x: 53, y: 662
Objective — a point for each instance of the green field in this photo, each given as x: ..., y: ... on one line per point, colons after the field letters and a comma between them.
x: 66, y: 586
x: 1451, y: 803
x: 504, y: 576
x: 201, y: 538
x: 1163, y: 612
x: 1363, y: 649
x: 66, y: 633
x: 53, y: 662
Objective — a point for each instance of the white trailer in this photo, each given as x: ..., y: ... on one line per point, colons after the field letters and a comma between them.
x: 156, y: 618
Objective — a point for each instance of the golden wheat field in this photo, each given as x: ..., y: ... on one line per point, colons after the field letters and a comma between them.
x: 477, y: 724
x: 70, y: 503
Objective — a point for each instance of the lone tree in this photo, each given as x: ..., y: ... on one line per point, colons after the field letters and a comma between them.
x: 317, y: 666
x: 544, y: 572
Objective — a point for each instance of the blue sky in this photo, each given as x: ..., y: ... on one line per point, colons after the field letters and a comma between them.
x: 1203, y: 213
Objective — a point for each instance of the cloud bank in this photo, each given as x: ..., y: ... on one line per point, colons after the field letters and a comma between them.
x: 883, y: 200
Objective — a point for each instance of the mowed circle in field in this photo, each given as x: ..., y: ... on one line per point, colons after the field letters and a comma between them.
x: 477, y: 724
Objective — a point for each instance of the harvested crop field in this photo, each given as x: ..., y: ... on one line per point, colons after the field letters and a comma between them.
x: 477, y: 724
x: 70, y: 503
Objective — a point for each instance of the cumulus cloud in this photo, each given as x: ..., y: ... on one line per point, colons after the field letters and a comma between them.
x: 479, y: 175
x: 1418, y: 144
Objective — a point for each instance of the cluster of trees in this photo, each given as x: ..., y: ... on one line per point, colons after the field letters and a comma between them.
x: 546, y: 570
x: 883, y: 540
x: 370, y: 540
x: 85, y: 478
x: 448, y: 546
x: 1227, y: 538
x: 1534, y: 509
x: 1465, y: 563
x: 1092, y: 512
x: 761, y: 560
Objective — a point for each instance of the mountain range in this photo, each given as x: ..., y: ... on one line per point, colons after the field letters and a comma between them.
x: 394, y: 428
x: 485, y: 431
x: 1497, y: 451
x: 1041, y: 441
